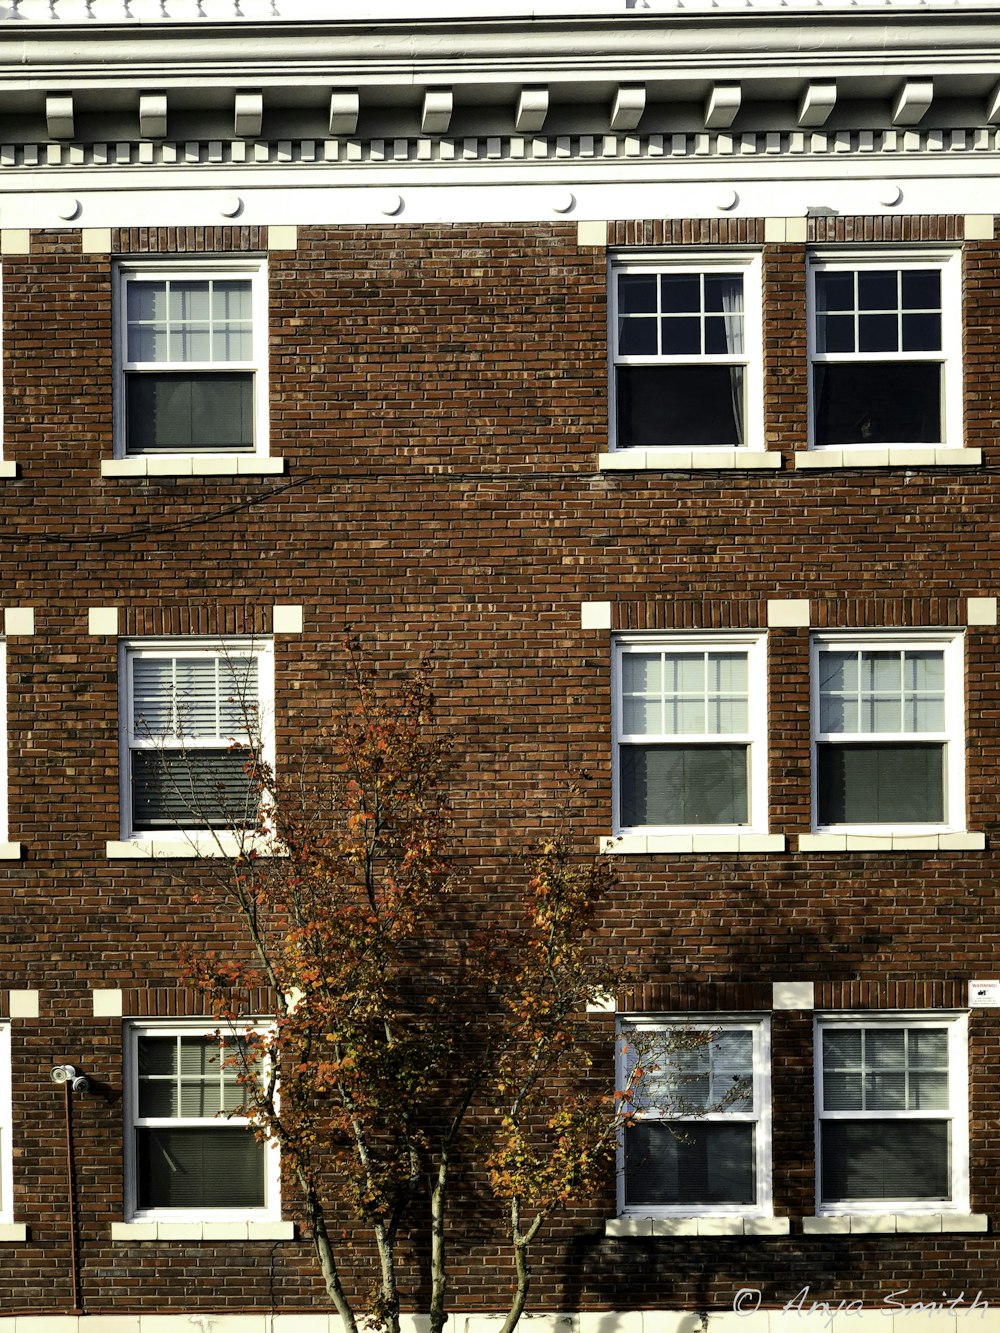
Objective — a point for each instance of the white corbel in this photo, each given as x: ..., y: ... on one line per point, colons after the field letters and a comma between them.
x: 59, y: 115
x: 345, y: 103
x: 248, y: 114
x: 628, y: 106
x: 816, y: 103
x: 912, y: 102
x: 721, y: 105
x: 532, y: 108
x: 439, y: 103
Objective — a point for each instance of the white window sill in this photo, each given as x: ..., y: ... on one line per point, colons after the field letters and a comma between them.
x: 638, y: 844
x: 861, y: 1224
x: 192, y: 465
x: 12, y: 1232
x: 721, y: 1224
x: 202, y: 1230
x: 892, y: 842
x: 195, y: 846
x: 891, y: 456
x: 639, y: 460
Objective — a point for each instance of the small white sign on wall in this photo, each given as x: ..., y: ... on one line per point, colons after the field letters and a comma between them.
x: 984, y: 994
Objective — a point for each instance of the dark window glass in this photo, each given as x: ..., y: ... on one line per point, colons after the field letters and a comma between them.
x: 680, y: 292
x: 689, y: 1163
x: 683, y: 406
x: 637, y: 293
x: 921, y: 333
x: 834, y: 291
x: 885, y: 1159
x: 921, y: 289
x: 637, y: 335
x: 891, y: 402
x: 880, y: 783
x: 188, y: 412
x: 677, y: 784
x: 199, y: 1167
x: 680, y: 335
x: 185, y: 789
x: 878, y: 333
x: 878, y: 289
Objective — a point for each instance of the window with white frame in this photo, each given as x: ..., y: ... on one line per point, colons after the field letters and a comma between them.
x: 190, y: 1150
x: 690, y: 721
x: 196, y: 727
x: 885, y: 348
x: 893, y: 1115
x: 6, y: 1144
x: 192, y: 358
x: 686, y: 353
x: 888, y: 725
x: 700, y: 1137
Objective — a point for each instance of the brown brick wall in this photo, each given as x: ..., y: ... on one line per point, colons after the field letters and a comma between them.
x: 440, y: 396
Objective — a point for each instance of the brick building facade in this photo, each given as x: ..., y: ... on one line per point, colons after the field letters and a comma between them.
x: 624, y: 358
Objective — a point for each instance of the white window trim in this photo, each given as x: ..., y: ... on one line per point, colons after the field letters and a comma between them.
x: 949, y: 263
x: 752, y: 453
x: 953, y: 736
x: 760, y: 1026
x: 958, y: 1110
x: 272, y: 1163
x: 6, y: 1134
x: 756, y: 738
x: 195, y: 841
x: 194, y: 462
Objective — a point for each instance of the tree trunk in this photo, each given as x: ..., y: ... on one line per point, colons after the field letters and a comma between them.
x: 439, y: 1272
x: 324, y: 1253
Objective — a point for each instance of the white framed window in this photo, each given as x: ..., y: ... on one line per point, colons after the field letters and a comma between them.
x: 190, y: 1152
x: 195, y: 716
x: 686, y: 353
x: 888, y: 732
x: 700, y: 1140
x: 6, y: 1129
x: 191, y: 358
x: 892, y: 1126
x: 885, y: 346
x: 690, y: 729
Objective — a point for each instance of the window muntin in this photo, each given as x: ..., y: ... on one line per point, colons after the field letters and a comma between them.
x: 888, y: 733
x: 192, y: 354
x: 685, y: 354
x: 892, y: 1131
x: 690, y: 731
x: 191, y: 1153
x: 196, y: 716
x: 700, y: 1142
x: 885, y: 352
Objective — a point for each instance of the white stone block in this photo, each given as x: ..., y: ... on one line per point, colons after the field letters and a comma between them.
x: 788, y: 613
x: 675, y: 1226
x: 766, y: 1226
x: 979, y: 226
x: 874, y: 1224
x: 133, y: 1231
x: 123, y: 467
x: 173, y: 1231
x: 591, y: 232
x: 15, y: 242
x: 822, y: 842
x: 10, y: 851
x: 774, y: 231
x: 19, y: 620
x: 23, y: 1003
x: 793, y: 995
x: 826, y: 1226
x: 595, y: 615
x: 628, y: 1226
x: 720, y: 1226
x: 286, y: 619
x: 282, y: 238
x: 981, y: 611
x: 962, y: 842
x: 13, y: 1232
x: 224, y: 1231
x: 270, y: 1231
x: 95, y: 240
x: 107, y: 1003
x: 103, y: 620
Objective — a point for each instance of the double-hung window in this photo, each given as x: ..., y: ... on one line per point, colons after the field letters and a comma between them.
x: 192, y: 358
x: 690, y: 733
x: 700, y: 1137
x: 686, y: 356
x: 893, y: 1117
x: 191, y: 1152
x: 196, y: 725
x: 886, y: 352
x: 888, y: 732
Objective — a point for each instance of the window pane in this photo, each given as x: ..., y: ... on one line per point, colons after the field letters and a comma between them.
x: 680, y: 293
x: 834, y: 291
x: 642, y: 673
x: 878, y: 333
x: 885, y: 1048
x: 921, y: 333
x: 836, y: 333
x: 689, y: 1163
x: 842, y: 1092
x: 841, y: 1048
x: 192, y: 412
x: 880, y: 784
x: 890, y: 402
x: 680, y: 335
x: 885, y: 1092
x: 895, y: 1159
x: 199, y: 1167
x: 689, y: 406
x: 921, y: 288
x: 928, y: 1092
x: 878, y: 289
x: 637, y: 336
x: 637, y: 293
x: 677, y: 785
x: 198, y: 788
